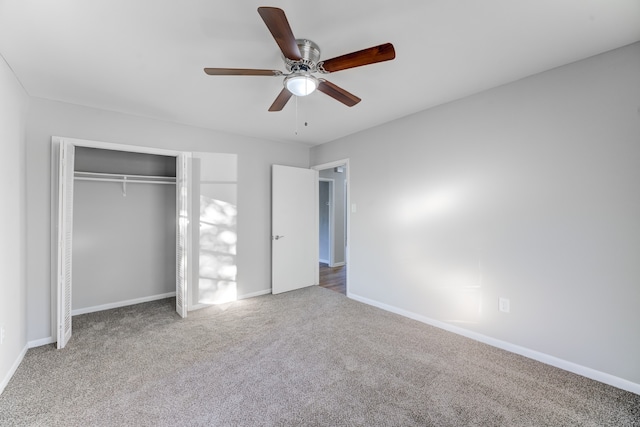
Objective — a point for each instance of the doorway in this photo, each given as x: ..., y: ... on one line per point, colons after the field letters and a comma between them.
x: 333, y: 225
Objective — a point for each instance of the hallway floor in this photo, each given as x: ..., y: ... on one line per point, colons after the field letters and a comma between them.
x: 333, y: 278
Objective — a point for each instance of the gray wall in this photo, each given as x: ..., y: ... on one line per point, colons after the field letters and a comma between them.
x: 14, y: 103
x: 124, y: 247
x: 338, y: 212
x: 255, y: 157
x: 113, y: 161
x: 530, y: 191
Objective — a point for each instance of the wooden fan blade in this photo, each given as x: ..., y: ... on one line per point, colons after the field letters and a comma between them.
x: 241, y: 72
x: 281, y: 100
x: 380, y: 53
x: 277, y: 23
x: 337, y: 93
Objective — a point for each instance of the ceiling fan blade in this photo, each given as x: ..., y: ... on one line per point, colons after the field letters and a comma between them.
x: 276, y: 21
x: 241, y: 72
x: 281, y: 100
x: 337, y: 93
x: 380, y: 53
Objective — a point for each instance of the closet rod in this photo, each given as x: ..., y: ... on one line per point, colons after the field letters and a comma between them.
x: 119, y: 177
x: 123, y: 180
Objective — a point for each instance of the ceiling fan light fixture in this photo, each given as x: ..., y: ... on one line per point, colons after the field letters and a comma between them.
x: 301, y: 84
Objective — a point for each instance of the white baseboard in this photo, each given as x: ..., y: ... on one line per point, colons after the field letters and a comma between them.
x: 324, y: 261
x: 523, y: 351
x: 41, y: 342
x: 254, y: 294
x: 13, y: 369
x: 121, y: 303
x: 337, y: 264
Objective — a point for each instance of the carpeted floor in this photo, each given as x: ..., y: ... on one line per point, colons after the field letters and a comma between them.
x: 309, y: 357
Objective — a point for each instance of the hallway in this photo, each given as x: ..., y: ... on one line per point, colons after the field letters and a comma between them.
x: 334, y: 278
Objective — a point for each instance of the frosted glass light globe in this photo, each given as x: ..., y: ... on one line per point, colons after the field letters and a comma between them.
x: 301, y: 84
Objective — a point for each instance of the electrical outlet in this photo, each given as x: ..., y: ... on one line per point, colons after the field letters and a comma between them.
x: 503, y: 304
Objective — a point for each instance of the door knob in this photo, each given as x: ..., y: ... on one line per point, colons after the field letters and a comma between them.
x: 278, y: 237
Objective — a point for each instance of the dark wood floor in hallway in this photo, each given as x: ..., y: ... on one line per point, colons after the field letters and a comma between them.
x: 333, y: 278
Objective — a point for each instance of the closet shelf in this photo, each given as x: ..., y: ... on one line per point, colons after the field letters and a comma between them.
x: 124, y: 178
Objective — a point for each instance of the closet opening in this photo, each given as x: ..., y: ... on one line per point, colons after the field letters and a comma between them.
x: 132, y: 224
x: 124, y: 229
x: 120, y: 218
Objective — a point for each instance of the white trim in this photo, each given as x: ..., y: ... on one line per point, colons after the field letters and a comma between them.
x: 117, y: 147
x: 121, y: 303
x: 13, y: 369
x: 584, y: 371
x: 53, y: 238
x: 331, y: 165
x: 254, y: 294
x: 325, y: 261
x: 41, y: 342
x: 337, y: 264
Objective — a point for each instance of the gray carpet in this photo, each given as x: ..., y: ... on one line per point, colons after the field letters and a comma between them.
x: 309, y: 357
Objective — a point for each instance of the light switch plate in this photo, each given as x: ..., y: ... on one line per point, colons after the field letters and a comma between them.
x: 503, y: 304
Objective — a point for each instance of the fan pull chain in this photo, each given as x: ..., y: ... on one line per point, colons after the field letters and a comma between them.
x: 297, y: 119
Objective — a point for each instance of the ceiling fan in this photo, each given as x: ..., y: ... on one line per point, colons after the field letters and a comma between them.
x: 301, y: 58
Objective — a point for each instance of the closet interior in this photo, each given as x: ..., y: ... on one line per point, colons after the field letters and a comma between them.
x: 124, y: 228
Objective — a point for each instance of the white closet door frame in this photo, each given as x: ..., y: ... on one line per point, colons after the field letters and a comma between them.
x: 62, y: 225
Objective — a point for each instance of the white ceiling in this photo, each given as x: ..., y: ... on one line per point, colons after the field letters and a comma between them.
x: 146, y: 57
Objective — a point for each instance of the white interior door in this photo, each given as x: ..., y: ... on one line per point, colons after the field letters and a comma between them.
x: 65, y: 237
x: 294, y: 228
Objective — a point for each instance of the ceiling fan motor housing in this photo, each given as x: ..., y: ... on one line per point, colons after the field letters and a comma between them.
x: 310, y: 53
